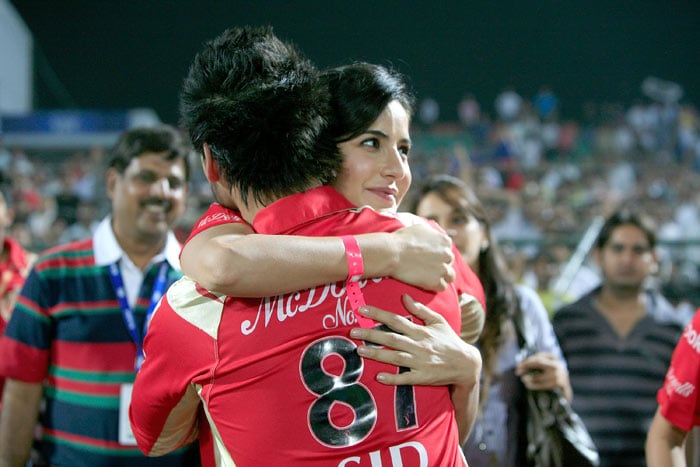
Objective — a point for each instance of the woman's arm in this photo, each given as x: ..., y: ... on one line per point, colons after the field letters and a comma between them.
x: 545, y: 369
x: 232, y: 260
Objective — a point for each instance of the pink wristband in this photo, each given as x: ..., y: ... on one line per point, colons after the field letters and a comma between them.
x: 356, y: 268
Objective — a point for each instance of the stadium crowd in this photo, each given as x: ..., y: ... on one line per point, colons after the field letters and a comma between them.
x: 544, y: 180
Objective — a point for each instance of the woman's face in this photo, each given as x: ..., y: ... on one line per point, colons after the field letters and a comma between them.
x: 375, y: 168
x: 467, y: 232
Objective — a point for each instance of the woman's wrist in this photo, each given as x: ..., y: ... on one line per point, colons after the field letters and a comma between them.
x: 380, y: 254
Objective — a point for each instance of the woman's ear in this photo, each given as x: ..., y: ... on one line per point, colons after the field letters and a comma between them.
x: 485, y: 243
x: 209, y: 165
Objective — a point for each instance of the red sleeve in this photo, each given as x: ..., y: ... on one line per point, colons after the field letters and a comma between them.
x: 180, y: 354
x: 466, y: 281
x: 678, y: 398
x: 215, y: 215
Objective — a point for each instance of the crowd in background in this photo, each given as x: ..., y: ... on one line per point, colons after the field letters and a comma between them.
x: 543, y: 179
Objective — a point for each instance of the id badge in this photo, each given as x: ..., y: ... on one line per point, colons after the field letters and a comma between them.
x: 126, y: 436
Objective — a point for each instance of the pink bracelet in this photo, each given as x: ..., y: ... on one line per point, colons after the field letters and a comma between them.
x: 356, y: 268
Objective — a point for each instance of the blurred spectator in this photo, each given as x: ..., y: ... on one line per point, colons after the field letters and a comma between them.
x: 618, y: 341
x: 85, y: 225
x: 542, y: 270
x: 546, y: 103
x: 428, y: 111
x: 5, y: 158
x: 14, y: 266
x: 67, y: 200
x: 469, y: 111
x: 497, y: 437
x: 508, y: 105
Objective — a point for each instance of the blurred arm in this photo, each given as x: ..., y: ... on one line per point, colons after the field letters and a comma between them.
x: 18, y: 419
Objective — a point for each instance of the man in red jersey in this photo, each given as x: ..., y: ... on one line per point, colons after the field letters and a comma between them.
x: 679, y: 404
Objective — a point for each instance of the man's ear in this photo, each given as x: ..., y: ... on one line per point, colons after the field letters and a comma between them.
x: 209, y: 165
x: 597, y: 256
x: 654, y: 267
x: 111, y: 177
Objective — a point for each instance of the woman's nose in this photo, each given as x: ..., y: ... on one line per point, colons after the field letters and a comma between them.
x: 395, y: 165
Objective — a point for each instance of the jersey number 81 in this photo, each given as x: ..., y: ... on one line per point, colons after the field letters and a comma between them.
x: 346, y: 389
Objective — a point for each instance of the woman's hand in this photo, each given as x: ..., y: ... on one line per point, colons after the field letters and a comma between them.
x: 433, y: 352
x: 544, y: 371
x: 425, y: 257
x: 473, y: 318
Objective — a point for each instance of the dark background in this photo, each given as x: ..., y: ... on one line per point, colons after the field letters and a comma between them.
x: 124, y: 54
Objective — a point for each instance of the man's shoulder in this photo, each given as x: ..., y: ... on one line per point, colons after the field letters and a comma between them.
x: 581, y: 307
x: 661, y: 311
x: 77, y: 252
x: 217, y: 214
x: 193, y: 304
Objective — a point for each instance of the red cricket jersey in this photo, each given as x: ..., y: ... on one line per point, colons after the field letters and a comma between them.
x: 678, y: 398
x: 279, y: 378
x: 216, y: 215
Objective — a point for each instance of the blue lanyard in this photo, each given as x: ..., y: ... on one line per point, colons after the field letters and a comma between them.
x: 128, y: 313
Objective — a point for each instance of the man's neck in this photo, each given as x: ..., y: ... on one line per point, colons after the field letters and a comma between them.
x: 621, y: 296
x: 622, y: 307
x: 140, y: 251
x: 250, y: 209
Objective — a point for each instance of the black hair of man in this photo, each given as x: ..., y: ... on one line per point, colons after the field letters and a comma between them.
x: 259, y: 105
x: 159, y: 139
x: 627, y: 216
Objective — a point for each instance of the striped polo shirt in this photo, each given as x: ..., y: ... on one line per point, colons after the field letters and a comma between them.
x: 68, y: 331
x: 615, y: 379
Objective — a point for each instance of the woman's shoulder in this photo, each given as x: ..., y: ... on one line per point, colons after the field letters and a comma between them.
x: 531, y: 304
x: 527, y: 296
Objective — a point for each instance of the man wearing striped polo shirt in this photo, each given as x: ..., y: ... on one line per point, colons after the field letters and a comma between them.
x: 76, y: 334
x: 618, y: 341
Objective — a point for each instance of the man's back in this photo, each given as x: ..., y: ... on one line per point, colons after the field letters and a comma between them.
x: 332, y: 409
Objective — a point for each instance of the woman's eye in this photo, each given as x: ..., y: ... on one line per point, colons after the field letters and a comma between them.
x: 405, y: 150
x: 371, y: 142
x: 459, y: 220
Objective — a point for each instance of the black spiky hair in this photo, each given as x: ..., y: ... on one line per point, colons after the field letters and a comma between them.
x: 260, y: 105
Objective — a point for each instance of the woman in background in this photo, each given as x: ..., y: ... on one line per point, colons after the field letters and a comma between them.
x: 498, y: 437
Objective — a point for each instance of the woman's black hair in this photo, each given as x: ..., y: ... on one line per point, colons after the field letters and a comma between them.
x: 359, y: 93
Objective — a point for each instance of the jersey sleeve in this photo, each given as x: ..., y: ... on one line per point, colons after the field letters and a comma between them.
x: 466, y: 281
x: 216, y: 215
x: 678, y: 398
x: 180, y: 351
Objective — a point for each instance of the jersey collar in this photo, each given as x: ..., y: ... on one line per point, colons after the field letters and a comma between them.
x: 293, y: 210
